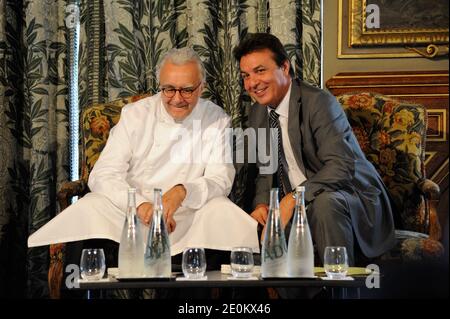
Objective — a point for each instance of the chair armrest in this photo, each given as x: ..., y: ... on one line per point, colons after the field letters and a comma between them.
x: 432, y: 193
x: 70, y: 189
x: 57, y: 251
x: 429, y: 189
x: 55, y: 270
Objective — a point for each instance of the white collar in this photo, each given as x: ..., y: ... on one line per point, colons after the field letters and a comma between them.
x: 283, y: 108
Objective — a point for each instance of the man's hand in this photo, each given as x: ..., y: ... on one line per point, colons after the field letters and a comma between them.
x: 145, y: 213
x: 171, y: 224
x: 287, y: 206
x: 172, y: 200
x: 260, y: 213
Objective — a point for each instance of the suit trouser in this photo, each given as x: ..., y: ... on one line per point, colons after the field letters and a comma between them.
x: 330, y: 224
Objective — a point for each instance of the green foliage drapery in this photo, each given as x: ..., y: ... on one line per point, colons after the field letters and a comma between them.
x: 121, y: 42
x: 33, y: 135
x: 137, y: 33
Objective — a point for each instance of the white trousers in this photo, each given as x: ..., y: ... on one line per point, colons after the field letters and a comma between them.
x: 220, y: 224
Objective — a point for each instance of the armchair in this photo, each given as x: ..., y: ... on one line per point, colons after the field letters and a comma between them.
x: 96, y: 122
x: 392, y: 135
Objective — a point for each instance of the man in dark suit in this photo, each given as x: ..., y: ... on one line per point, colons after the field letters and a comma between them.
x: 346, y: 197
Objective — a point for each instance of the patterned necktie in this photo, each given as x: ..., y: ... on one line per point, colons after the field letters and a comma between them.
x: 283, y: 183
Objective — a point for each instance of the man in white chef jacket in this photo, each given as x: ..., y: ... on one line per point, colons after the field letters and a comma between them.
x: 175, y: 141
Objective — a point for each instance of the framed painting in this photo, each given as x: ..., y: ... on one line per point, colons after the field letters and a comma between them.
x: 405, y: 22
x: 384, y: 28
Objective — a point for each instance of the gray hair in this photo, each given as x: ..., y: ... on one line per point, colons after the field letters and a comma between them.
x: 182, y: 56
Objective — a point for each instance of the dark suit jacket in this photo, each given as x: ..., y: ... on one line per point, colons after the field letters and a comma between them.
x: 329, y: 156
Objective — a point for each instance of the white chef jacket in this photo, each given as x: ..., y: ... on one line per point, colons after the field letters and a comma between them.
x: 147, y: 149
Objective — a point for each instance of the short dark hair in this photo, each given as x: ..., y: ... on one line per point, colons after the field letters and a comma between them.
x: 259, y: 41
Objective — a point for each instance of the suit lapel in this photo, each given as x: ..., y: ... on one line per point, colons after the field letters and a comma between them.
x: 294, y: 119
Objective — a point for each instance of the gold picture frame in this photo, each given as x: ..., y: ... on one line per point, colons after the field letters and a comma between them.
x: 415, y: 26
x: 356, y: 41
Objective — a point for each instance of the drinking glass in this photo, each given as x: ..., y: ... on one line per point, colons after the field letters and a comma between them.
x: 241, y: 259
x: 335, y: 262
x: 194, y: 263
x: 92, y: 264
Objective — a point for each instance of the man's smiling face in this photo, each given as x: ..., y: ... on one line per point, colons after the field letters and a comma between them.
x: 185, y: 76
x: 264, y: 80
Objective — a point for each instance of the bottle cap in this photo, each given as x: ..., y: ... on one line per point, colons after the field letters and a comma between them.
x: 300, y: 189
x: 132, y: 190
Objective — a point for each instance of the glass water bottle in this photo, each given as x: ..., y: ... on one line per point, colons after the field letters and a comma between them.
x: 274, y: 249
x: 300, y: 248
x: 131, y: 248
x: 157, y: 259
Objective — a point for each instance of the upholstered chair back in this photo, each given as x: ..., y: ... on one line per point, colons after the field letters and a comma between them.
x: 97, y: 120
x: 392, y: 134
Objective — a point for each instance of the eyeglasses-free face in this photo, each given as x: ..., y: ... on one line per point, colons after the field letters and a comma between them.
x: 181, y: 86
x: 184, y: 92
x: 264, y: 80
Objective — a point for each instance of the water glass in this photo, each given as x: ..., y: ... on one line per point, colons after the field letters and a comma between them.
x: 194, y: 263
x: 92, y: 264
x: 241, y: 260
x: 335, y: 262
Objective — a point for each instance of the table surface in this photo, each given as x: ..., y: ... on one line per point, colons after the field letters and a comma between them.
x: 216, y: 279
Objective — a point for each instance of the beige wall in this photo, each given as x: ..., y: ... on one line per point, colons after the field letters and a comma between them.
x: 332, y: 65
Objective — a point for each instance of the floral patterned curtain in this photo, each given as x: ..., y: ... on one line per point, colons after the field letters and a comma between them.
x: 137, y: 33
x: 33, y: 137
x: 121, y: 42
